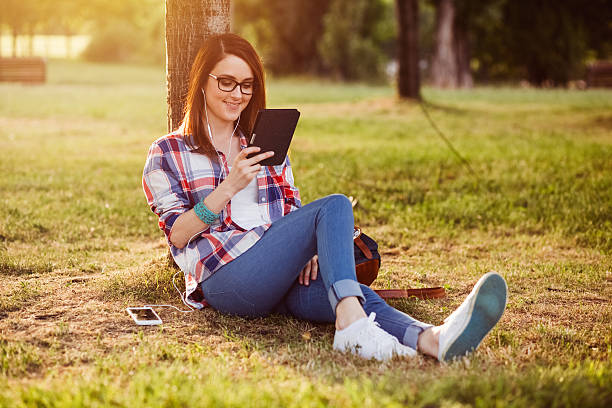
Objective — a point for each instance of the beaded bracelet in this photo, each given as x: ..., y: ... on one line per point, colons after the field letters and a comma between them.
x: 204, y: 214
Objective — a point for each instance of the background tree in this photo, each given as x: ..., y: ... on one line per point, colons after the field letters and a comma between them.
x: 130, y: 30
x: 549, y: 39
x: 188, y: 23
x: 285, y: 32
x: 357, y: 37
x: 544, y: 41
x: 17, y: 15
x: 451, y: 60
x: 444, y: 62
x: 409, y: 81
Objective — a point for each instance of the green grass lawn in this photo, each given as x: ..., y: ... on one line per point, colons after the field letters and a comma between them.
x: 78, y: 244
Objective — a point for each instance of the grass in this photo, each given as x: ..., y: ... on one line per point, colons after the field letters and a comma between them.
x: 78, y: 244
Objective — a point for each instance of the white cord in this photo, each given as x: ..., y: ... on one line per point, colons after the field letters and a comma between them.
x: 229, y: 148
x: 181, y: 294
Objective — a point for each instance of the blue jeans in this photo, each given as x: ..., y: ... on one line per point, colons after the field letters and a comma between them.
x: 263, y: 280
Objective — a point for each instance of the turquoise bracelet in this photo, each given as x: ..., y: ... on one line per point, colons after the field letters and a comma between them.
x: 204, y: 214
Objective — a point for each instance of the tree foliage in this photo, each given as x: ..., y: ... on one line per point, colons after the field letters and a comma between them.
x: 129, y: 30
x: 538, y: 40
x: 544, y: 41
x: 285, y: 32
x: 353, y: 42
x: 349, y: 39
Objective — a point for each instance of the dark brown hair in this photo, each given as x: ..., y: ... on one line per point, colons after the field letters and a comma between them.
x: 213, y: 50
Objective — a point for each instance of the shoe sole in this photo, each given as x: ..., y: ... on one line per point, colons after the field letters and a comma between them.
x: 486, y: 309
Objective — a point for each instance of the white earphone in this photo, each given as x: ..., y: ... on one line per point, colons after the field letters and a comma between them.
x: 210, y: 135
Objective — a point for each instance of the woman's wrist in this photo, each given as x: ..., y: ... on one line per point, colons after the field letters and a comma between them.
x: 226, y: 191
x: 205, y: 214
x: 218, y: 199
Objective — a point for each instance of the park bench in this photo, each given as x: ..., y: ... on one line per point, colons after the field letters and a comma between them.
x: 599, y: 74
x: 27, y: 70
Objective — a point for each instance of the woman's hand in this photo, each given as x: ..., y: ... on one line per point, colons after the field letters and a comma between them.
x: 244, y: 169
x: 310, y: 271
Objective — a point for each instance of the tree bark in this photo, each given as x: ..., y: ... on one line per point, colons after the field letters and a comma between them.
x: 15, y: 34
x: 188, y: 23
x: 31, y: 41
x: 68, y: 39
x: 462, y: 49
x: 409, y: 79
x: 444, y: 64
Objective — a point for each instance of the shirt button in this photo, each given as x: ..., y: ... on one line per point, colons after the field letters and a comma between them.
x: 263, y: 199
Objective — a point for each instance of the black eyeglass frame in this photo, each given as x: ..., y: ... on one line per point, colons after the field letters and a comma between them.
x: 236, y: 83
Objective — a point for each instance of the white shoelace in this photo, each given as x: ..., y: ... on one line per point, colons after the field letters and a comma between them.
x: 374, y: 330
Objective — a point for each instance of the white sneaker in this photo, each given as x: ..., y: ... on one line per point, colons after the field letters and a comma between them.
x: 463, y: 331
x: 365, y: 338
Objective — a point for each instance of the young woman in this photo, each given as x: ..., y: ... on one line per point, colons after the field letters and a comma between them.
x: 246, y: 245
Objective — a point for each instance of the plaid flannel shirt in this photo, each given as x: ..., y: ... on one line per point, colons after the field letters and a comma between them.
x: 176, y: 178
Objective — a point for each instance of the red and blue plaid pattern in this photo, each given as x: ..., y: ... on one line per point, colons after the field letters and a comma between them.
x: 176, y: 178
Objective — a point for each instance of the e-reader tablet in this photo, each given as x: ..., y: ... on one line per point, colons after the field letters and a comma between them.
x: 273, y: 131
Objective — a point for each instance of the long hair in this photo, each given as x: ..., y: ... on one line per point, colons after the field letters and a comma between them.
x: 213, y: 50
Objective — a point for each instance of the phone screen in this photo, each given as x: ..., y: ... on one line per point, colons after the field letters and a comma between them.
x: 144, y: 314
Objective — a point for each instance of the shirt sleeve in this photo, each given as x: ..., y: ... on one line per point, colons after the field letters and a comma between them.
x: 290, y: 191
x: 162, y: 188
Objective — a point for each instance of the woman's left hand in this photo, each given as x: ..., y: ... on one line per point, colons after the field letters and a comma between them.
x: 310, y: 271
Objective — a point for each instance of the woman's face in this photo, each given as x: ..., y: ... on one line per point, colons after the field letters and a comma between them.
x: 226, y: 106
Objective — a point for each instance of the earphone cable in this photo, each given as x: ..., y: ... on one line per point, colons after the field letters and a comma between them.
x: 182, y: 296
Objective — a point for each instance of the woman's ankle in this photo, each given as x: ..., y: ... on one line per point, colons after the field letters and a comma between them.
x: 427, y: 342
x: 348, y: 311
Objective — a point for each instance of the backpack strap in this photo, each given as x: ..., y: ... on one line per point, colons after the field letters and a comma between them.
x: 420, y: 293
x: 364, y: 248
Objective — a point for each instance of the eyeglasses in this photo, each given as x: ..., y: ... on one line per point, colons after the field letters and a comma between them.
x: 228, y: 85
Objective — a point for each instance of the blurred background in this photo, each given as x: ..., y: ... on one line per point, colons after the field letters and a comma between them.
x: 538, y: 42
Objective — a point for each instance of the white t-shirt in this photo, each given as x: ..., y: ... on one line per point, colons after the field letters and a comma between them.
x: 245, y: 209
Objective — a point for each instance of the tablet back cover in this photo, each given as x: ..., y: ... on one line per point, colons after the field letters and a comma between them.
x: 273, y: 130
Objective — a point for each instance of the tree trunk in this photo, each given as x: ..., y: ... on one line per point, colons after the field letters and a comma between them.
x: 409, y: 80
x: 462, y: 50
x: 68, y: 39
x: 188, y: 23
x: 30, y: 30
x: 15, y: 34
x: 444, y: 64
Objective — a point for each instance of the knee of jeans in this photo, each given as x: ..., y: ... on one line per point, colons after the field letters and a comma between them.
x: 341, y: 201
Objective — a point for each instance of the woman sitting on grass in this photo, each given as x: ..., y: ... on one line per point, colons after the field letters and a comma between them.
x: 246, y: 245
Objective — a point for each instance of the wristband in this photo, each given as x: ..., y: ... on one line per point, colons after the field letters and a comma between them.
x: 204, y: 214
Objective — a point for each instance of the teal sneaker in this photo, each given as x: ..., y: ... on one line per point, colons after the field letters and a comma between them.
x: 463, y: 331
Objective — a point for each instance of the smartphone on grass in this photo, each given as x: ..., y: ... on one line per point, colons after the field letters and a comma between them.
x: 144, y: 316
x: 273, y: 131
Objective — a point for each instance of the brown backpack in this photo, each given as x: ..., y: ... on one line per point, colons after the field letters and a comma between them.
x: 367, y: 264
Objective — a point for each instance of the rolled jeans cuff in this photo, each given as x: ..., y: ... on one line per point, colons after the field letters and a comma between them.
x: 342, y: 289
x: 411, y: 335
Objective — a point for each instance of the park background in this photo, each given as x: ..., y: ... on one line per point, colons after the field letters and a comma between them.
x: 78, y: 243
